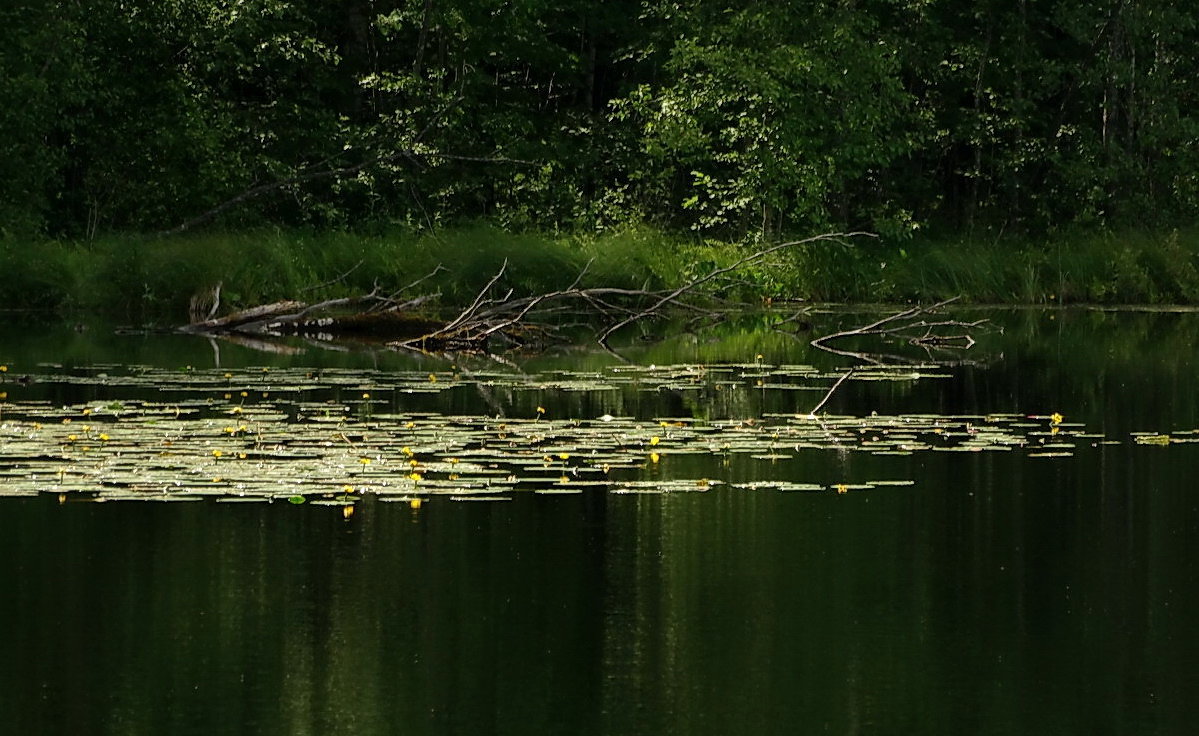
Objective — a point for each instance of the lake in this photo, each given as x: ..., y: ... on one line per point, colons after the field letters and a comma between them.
x: 202, y: 538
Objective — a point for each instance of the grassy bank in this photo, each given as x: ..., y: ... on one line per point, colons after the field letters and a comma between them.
x: 152, y: 280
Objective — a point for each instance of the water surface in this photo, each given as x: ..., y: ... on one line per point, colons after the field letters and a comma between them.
x: 1010, y: 591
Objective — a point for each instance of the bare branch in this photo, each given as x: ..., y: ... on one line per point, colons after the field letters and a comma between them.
x: 831, y: 391
x: 726, y: 269
x: 905, y: 325
x: 330, y: 282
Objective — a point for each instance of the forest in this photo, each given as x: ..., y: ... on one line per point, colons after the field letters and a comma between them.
x: 742, y: 121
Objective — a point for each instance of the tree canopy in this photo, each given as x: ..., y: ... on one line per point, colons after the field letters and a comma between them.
x: 738, y: 119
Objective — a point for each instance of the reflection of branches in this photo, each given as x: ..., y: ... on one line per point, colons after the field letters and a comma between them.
x: 909, y: 326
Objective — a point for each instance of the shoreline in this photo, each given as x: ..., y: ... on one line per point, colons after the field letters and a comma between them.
x: 147, y: 281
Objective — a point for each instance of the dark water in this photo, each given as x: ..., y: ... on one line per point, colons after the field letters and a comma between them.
x: 999, y: 594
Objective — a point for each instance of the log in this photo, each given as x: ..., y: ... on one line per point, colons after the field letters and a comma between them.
x: 253, y: 314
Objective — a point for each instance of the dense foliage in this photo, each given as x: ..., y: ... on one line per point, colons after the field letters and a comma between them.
x: 735, y: 120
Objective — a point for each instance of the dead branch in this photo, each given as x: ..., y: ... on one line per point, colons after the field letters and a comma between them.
x: 339, y: 279
x: 672, y: 296
x: 420, y: 299
x: 494, y: 313
x: 245, y: 316
x: 831, y: 391
x: 908, y: 326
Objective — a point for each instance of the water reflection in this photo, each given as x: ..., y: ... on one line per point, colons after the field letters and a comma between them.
x: 1000, y: 594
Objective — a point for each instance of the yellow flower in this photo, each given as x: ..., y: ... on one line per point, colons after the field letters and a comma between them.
x: 217, y: 453
x: 414, y: 477
x: 3, y: 369
x: 103, y: 437
x: 654, y: 457
x: 414, y: 504
x: 364, y: 460
x: 366, y: 395
x: 842, y: 488
x: 348, y: 488
x: 432, y: 378
x: 564, y: 455
x: 1055, y: 418
x: 654, y: 440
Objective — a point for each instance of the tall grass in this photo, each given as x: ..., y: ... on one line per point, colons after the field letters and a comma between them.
x: 152, y: 280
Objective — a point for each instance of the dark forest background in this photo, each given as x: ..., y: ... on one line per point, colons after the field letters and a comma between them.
x: 734, y: 120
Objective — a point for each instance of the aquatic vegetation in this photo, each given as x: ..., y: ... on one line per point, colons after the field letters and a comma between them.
x: 338, y: 436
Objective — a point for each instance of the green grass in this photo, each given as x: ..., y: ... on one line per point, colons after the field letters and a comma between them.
x: 146, y: 280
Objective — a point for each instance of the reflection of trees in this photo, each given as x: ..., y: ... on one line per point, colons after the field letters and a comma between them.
x: 978, y: 599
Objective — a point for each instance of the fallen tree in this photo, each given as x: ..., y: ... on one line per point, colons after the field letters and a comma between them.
x: 498, y: 318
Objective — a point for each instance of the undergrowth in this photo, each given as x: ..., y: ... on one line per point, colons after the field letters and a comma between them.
x: 148, y: 280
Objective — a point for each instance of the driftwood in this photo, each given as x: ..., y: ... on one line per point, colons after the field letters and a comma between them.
x: 238, y: 321
x: 506, y: 316
x: 495, y: 316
